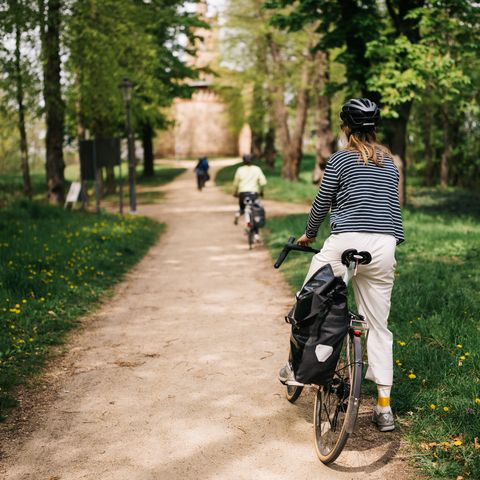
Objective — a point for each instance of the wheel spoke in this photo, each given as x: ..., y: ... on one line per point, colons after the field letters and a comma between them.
x: 332, y: 404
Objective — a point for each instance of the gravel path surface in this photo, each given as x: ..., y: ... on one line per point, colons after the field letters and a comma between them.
x: 175, y: 376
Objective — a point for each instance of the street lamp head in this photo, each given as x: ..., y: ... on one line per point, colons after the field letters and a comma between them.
x: 126, y: 87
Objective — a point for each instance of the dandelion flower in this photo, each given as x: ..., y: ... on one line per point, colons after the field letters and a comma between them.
x: 433, y: 406
x: 446, y: 409
x: 402, y: 343
x: 412, y: 376
x: 459, y: 345
x: 467, y: 354
x: 463, y: 357
x: 477, y: 401
x: 457, y: 443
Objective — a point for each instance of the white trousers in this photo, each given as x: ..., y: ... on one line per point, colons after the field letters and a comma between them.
x: 372, y: 286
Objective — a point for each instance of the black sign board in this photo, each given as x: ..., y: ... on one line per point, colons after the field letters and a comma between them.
x: 102, y: 152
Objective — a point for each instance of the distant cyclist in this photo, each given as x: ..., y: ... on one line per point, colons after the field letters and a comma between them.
x: 360, y: 189
x: 201, y: 171
x: 249, y: 181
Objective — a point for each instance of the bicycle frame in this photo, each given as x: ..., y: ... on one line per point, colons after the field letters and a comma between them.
x: 337, y: 402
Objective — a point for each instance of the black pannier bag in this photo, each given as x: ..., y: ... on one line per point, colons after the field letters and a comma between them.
x: 320, y: 321
x: 258, y: 214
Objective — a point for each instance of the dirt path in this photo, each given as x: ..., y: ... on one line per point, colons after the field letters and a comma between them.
x: 175, y: 378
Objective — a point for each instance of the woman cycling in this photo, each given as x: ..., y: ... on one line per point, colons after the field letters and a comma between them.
x: 360, y: 188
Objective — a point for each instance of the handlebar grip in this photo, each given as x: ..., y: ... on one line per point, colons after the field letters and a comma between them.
x: 284, y: 252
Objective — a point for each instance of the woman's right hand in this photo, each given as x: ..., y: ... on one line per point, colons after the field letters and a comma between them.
x: 305, y: 241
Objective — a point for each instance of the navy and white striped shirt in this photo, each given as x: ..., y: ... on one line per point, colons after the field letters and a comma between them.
x: 362, y: 198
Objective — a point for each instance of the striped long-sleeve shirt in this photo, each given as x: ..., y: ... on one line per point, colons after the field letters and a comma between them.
x: 362, y: 198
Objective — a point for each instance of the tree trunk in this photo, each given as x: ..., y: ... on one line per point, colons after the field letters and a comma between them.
x: 397, y: 140
x: 447, y: 149
x: 280, y: 112
x: 427, y: 140
x: 109, y: 186
x: 269, y: 152
x: 291, y: 144
x: 257, y: 143
x: 301, y: 118
x: 27, y: 185
x: 325, y: 137
x: 147, y: 142
x: 54, y: 106
x: 256, y: 119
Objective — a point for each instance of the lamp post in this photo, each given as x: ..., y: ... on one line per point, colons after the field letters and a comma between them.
x: 126, y: 87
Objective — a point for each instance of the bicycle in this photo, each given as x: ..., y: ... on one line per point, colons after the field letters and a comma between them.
x: 254, y: 218
x: 337, y: 402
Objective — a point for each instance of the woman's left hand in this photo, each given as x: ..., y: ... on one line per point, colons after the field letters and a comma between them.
x: 305, y: 241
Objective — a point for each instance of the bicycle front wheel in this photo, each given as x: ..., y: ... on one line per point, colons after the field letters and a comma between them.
x: 336, y: 404
x: 293, y: 392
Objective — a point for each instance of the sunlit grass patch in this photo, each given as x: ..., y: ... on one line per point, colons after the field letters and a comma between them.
x: 54, y: 266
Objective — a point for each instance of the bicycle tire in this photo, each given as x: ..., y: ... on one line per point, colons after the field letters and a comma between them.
x: 293, y: 392
x: 336, y: 404
x: 250, y: 238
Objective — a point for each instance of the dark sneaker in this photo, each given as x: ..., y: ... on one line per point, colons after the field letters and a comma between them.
x: 287, y: 377
x: 383, y: 421
x: 235, y: 221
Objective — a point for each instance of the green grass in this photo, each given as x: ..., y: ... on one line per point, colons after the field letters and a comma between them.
x: 435, y: 320
x: 54, y: 266
x: 302, y: 191
x: 11, y: 185
x: 147, y: 187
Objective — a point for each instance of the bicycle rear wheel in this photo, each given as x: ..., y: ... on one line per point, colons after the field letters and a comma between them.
x: 250, y: 238
x: 336, y: 404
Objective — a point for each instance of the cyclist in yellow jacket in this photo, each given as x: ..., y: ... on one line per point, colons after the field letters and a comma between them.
x: 249, y: 181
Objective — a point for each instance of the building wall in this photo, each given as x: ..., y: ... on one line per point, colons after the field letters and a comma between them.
x: 201, y: 128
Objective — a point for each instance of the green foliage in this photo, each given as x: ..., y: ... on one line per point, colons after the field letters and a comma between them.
x: 17, y: 15
x: 434, y: 318
x: 54, y: 266
x: 346, y: 27
x: 112, y: 39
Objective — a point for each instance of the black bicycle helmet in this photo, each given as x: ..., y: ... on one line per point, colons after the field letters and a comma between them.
x: 247, y: 159
x: 360, y: 114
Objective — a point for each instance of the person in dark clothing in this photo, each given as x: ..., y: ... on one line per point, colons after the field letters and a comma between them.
x: 201, y: 171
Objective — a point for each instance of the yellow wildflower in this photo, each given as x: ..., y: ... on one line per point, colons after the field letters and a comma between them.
x: 463, y: 357
x: 457, y: 443
x: 477, y: 401
x: 433, y: 406
x: 446, y: 409
x: 402, y: 343
x: 412, y: 376
x: 459, y: 345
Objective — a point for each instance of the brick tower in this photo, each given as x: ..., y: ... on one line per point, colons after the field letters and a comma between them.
x: 201, y: 124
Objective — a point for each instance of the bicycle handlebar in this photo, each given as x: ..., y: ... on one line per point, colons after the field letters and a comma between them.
x: 289, y: 246
x: 348, y: 256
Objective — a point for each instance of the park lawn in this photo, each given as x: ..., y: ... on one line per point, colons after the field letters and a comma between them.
x: 435, y: 320
x: 147, y: 191
x: 302, y: 191
x: 11, y: 185
x: 54, y: 267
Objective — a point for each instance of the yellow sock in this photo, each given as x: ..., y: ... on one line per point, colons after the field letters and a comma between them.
x: 383, y: 401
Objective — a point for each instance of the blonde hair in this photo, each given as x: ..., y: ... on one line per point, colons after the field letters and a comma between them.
x: 365, y: 143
